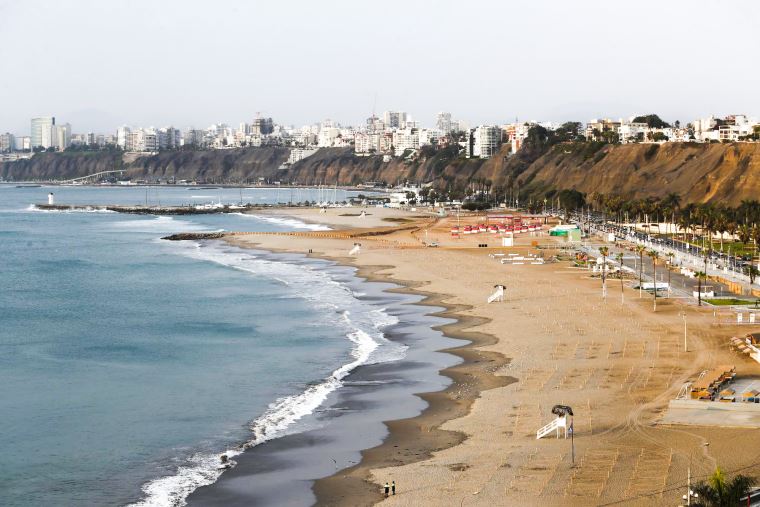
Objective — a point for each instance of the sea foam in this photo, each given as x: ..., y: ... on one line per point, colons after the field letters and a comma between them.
x: 361, y: 323
x: 286, y: 221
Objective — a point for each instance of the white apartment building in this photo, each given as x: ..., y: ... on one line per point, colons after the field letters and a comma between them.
x: 394, y: 119
x: 297, y: 154
x: 7, y: 142
x: 366, y: 143
x: 375, y: 124
x: 632, y: 132
x: 169, y: 138
x: 443, y: 122
x: 43, y: 130
x: 328, y: 136
x: 62, y: 136
x: 405, y: 139
x: 24, y: 143
x: 142, y: 140
x: 483, y: 142
x: 122, y: 136
x: 429, y: 136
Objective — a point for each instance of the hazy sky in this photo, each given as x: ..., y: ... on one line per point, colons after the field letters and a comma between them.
x: 102, y: 63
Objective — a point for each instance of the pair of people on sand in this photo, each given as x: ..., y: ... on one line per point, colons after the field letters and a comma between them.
x: 391, y: 487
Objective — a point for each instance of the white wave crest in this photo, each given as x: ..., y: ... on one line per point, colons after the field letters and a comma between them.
x: 88, y: 209
x: 286, y: 221
x: 162, y: 224
x: 362, y: 325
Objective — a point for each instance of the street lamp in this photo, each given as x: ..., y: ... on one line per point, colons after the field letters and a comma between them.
x: 683, y: 315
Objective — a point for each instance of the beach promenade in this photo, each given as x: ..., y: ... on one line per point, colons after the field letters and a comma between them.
x: 558, y: 342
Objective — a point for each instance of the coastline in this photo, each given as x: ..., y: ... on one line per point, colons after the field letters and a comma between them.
x: 414, y: 439
x: 616, y: 362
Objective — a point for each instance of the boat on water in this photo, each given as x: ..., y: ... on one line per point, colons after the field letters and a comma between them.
x: 28, y: 186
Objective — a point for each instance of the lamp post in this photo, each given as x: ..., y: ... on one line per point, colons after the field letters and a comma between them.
x: 683, y: 315
x: 689, y: 492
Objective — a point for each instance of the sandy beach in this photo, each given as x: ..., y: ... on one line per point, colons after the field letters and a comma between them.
x: 554, y: 340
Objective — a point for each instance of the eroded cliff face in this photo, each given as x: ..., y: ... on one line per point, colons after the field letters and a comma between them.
x: 724, y: 173
x: 57, y: 166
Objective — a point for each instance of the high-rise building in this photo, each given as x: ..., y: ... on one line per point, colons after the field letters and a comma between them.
x: 23, y: 143
x: 394, y: 119
x: 193, y: 137
x: 62, y: 136
x: 443, y: 122
x: 122, y: 137
x: 7, y: 142
x: 483, y: 142
x: 262, y: 126
x: 168, y: 138
x: 43, y: 131
x: 375, y: 125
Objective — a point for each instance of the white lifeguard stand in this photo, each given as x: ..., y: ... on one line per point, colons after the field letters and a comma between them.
x: 498, y: 294
x: 558, y: 425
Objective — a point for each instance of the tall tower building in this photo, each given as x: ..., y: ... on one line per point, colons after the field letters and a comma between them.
x: 43, y: 129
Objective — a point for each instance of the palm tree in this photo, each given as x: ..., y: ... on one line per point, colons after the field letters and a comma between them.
x: 752, y: 272
x: 720, y: 492
x: 672, y: 202
x: 654, y: 255
x: 640, y: 250
x: 619, y: 258
x: 605, y: 252
x: 745, y: 234
x: 700, y: 275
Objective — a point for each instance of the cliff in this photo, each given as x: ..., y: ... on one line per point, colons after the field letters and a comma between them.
x: 723, y: 173
x: 726, y: 173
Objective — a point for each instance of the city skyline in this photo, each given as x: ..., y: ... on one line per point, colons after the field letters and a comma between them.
x: 194, y: 64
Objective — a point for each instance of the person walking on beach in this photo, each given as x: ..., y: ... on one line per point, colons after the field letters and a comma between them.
x: 386, y: 489
x: 393, y: 487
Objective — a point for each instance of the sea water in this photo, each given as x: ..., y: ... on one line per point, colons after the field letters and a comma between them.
x: 129, y: 364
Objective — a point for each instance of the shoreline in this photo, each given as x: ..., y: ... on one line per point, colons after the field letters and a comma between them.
x: 414, y: 439
x: 421, y: 435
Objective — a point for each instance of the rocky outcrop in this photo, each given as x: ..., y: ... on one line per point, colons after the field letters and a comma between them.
x: 185, y: 236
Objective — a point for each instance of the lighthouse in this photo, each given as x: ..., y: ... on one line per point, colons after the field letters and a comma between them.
x: 51, y: 199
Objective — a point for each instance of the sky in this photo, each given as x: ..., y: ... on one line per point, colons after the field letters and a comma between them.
x: 99, y: 64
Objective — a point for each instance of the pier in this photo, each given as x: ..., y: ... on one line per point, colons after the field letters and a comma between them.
x: 150, y: 210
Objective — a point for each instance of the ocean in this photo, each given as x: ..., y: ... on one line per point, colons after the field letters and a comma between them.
x: 130, y: 364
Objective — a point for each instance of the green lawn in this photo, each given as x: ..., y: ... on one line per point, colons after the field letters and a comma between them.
x: 736, y: 247
x: 732, y: 301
